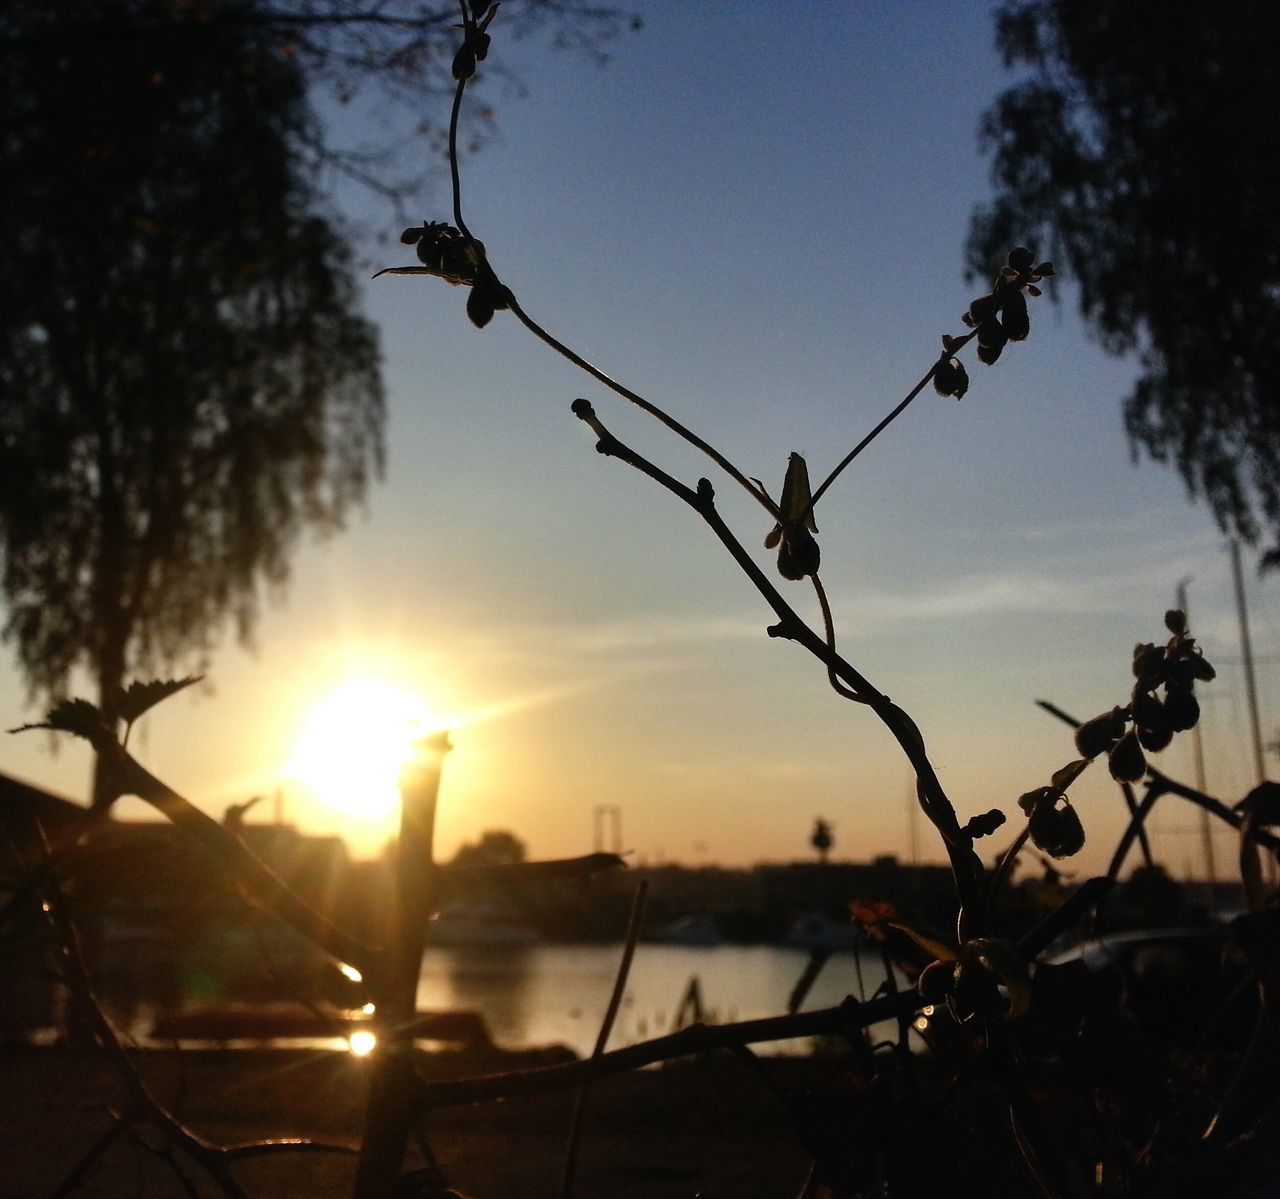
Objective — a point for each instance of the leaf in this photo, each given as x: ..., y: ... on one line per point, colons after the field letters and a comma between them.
x: 75, y: 716
x: 796, y: 496
x: 1062, y: 779
x: 138, y: 698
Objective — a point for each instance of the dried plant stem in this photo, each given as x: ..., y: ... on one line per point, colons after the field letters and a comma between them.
x: 602, y: 1038
x: 259, y: 881
x: 935, y: 804
x: 845, y: 1020
x: 883, y: 425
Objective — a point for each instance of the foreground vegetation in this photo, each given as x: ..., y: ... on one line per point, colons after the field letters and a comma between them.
x: 1008, y: 1074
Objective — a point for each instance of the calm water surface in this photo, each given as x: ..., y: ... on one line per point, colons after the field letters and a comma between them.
x: 557, y: 994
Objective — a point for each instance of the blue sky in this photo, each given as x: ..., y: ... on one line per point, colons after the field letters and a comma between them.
x: 755, y: 216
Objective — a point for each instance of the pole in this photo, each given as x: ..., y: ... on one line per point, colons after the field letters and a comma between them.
x: 1250, y: 684
x: 1197, y: 750
x: 388, y: 1116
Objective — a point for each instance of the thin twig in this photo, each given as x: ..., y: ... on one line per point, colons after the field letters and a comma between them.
x: 563, y: 350
x: 602, y: 1038
x: 883, y: 425
x: 829, y: 628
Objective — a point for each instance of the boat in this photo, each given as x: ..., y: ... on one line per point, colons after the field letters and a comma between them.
x: 814, y: 931
x: 699, y: 930
x: 478, y: 922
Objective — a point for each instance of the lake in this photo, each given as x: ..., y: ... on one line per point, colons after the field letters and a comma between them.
x: 557, y: 994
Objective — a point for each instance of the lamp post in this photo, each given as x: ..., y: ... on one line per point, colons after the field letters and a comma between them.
x: 388, y: 1114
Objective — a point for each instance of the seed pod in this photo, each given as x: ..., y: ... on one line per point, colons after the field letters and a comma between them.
x: 1126, y: 761
x: 1148, y: 664
x: 1057, y: 831
x: 413, y: 234
x: 950, y: 378
x: 936, y: 981
x: 481, y: 305
x: 1020, y: 258
x: 1014, y: 318
x: 1148, y: 711
x: 799, y: 554
x: 1201, y: 669
x: 1098, y: 735
x: 984, y: 824
x: 1175, y: 620
x: 1182, y: 709
x: 981, y: 309
x: 1155, y: 739
x: 464, y: 62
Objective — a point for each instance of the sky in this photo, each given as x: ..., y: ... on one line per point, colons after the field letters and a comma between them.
x: 755, y: 216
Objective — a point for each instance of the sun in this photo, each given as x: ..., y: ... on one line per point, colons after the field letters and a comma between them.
x: 354, y: 744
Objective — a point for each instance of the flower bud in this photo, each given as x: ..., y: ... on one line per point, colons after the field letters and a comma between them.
x: 1175, y: 620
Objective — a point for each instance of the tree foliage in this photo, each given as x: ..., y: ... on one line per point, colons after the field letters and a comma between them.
x: 496, y: 847
x: 1142, y: 152
x: 185, y: 381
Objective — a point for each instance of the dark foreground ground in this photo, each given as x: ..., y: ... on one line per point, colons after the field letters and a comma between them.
x: 707, y: 1128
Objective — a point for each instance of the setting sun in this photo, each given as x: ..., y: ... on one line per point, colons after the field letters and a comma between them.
x: 354, y: 743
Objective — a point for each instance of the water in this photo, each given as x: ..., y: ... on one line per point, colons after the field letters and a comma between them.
x: 557, y: 994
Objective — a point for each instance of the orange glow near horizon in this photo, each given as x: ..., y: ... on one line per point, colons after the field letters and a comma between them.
x: 354, y: 743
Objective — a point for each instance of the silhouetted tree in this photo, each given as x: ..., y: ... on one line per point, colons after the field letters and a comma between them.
x: 1144, y: 151
x: 496, y: 847
x: 185, y: 382
x: 822, y: 838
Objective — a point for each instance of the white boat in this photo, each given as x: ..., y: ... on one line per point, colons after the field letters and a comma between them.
x: 816, y: 931
x: 478, y: 922
x: 699, y: 930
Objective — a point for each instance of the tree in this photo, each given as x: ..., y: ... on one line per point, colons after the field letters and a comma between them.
x: 1145, y: 153
x: 822, y: 838
x: 185, y: 382
x: 495, y: 848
